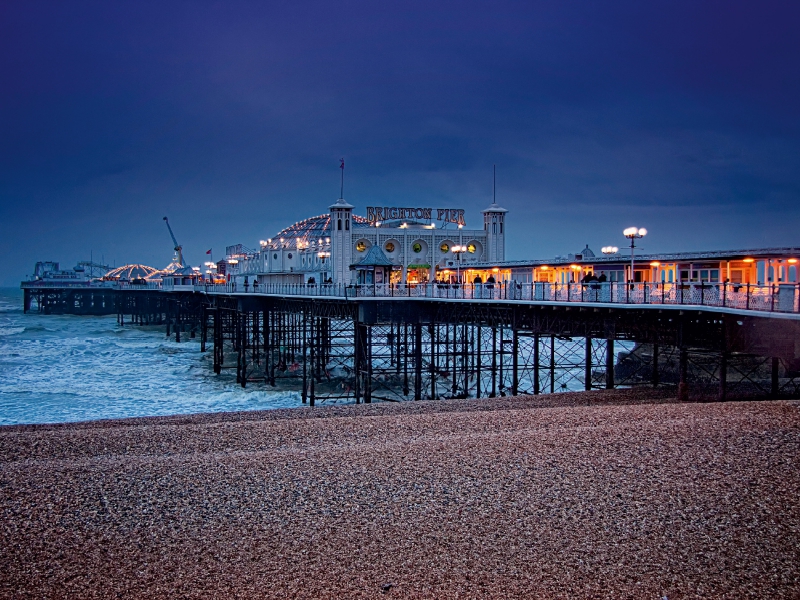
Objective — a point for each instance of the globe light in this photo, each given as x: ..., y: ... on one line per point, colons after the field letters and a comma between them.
x: 632, y: 233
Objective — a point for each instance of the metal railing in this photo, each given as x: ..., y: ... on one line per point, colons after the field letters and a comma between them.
x: 148, y: 285
x: 38, y: 284
x: 782, y: 297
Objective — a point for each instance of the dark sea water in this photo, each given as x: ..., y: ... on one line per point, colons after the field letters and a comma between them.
x: 60, y: 368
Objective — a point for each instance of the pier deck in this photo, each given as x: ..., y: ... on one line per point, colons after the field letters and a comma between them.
x: 397, y: 342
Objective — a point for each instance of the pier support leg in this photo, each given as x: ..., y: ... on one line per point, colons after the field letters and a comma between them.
x: 536, y: 384
x: 453, y: 354
x: 683, y: 371
x: 405, y: 360
x: 368, y: 377
x: 722, y: 394
x: 610, y: 363
x: 774, y: 381
x: 587, y: 368
x: 217, y: 341
x: 418, y: 361
x: 313, y: 344
x: 434, y: 340
x: 241, y: 357
x: 359, y: 339
x: 269, y: 340
x: 478, y: 361
x: 724, y: 355
x: 204, y: 330
x: 552, y: 364
x: 514, y: 362
x: 655, y: 372
x: 494, y: 362
x: 304, y: 393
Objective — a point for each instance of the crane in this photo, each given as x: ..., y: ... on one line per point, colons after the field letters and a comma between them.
x: 178, y: 247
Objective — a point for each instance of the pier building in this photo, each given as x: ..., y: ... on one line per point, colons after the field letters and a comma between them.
x: 758, y: 266
x: 420, y: 244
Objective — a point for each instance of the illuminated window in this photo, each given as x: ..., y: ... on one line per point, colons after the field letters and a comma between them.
x: 417, y: 247
x: 471, y: 248
x: 361, y: 246
x: 389, y: 247
x: 444, y: 248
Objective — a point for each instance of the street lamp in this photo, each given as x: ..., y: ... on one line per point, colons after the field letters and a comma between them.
x: 632, y: 233
x: 609, y: 249
x: 458, y: 251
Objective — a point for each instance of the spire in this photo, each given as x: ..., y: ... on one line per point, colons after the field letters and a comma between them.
x: 494, y: 208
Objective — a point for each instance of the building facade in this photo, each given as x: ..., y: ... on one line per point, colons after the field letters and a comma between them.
x: 422, y: 244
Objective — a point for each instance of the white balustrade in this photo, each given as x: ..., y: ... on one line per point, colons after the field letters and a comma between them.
x: 770, y: 298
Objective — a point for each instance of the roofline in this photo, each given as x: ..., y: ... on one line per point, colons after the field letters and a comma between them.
x: 667, y: 256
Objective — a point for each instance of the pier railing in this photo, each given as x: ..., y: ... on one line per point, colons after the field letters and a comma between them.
x: 784, y: 298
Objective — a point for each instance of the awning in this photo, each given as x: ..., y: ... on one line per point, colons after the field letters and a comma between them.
x: 418, y: 267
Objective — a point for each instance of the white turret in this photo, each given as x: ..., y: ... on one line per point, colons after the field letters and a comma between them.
x: 494, y: 223
x: 341, y: 240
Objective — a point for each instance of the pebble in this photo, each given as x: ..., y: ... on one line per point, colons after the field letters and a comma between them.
x: 624, y: 494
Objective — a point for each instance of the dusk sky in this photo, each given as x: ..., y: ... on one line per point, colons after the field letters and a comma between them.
x: 230, y: 119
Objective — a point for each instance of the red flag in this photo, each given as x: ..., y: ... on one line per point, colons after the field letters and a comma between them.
x: 208, y: 252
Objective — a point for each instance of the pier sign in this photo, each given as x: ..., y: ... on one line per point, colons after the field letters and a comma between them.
x: 388, y: 213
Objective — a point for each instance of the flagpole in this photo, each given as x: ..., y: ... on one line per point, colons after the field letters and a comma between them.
x: 341, y: 191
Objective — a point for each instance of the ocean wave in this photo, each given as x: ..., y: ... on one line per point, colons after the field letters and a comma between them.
x: 4, y: 331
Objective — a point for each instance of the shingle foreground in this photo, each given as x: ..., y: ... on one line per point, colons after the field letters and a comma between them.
x: 622, y: 494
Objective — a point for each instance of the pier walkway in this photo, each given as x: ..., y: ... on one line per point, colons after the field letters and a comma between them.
x: 783, y: 299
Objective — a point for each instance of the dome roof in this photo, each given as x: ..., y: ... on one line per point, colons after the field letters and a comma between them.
x: 129, y: 273
x: 586, y: 252
x: 311, y: 229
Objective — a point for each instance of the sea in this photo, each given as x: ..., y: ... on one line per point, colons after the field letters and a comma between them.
x: 66, y: 368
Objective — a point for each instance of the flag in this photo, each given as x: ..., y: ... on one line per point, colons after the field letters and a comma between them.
x: 208, y: 251
x: 341, y: 166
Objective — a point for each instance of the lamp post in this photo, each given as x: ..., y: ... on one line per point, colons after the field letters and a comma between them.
x: 609, y: 249
x: 458, y: 251
x: 632, y: 233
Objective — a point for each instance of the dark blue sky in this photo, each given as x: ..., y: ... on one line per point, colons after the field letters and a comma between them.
x: 230, y: 118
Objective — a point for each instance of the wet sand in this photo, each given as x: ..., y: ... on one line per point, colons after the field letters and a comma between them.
x: 622, y: 494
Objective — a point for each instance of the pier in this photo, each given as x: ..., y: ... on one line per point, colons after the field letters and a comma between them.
x: 409, y: 304
x: 397, y: 342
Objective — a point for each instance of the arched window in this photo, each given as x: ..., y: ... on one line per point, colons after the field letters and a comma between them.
x: 347, y: 224
x: 339, y: 224
x: 501, y: 227
x: 494, y: 227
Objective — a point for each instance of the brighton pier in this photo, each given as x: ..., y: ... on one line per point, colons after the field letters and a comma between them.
x: 348, y: 308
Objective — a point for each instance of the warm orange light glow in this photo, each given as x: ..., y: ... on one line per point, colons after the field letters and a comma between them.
x: 749, y: 260
x: 495, y: 270
x: 791, y: 261
x: 544, y: 268
x: 655, y: 263
x: 576, y: 267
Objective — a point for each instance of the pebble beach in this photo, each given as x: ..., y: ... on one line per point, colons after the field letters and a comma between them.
x: 618, y: 494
